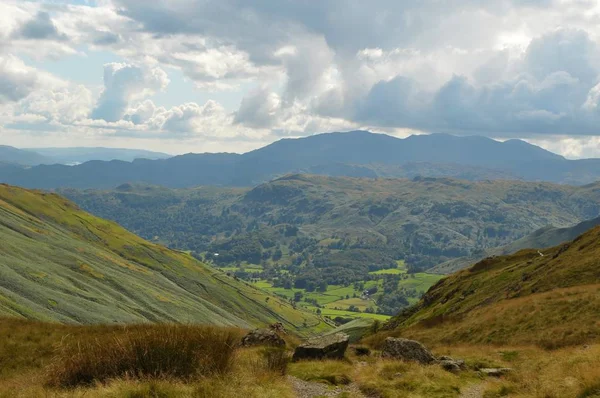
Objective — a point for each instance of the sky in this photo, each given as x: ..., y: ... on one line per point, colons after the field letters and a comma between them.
x: 184, y: 76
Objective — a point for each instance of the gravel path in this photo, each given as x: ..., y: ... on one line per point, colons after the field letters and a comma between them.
x: 474, y: 391
x: 309, y: 389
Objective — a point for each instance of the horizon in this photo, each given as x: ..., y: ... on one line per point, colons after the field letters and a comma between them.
x: 171, y: 154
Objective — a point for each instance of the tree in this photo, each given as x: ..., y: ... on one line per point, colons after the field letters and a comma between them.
x: 298, y: 296
x: 323, y: 286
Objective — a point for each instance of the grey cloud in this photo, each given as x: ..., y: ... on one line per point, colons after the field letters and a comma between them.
x: 549, y: 96
x: 41, y: 27
x: 258, y: 109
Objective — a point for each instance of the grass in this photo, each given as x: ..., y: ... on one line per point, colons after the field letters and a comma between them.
x: 134, y: 361
x: 59, y: 263
x: 144, y: 352
x: 30, y: 349
x: 550, y: 301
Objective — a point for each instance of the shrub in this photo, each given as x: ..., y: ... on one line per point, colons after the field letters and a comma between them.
x: 145, y: 351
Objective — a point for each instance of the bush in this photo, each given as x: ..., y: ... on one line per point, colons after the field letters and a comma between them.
x: 144, y: 352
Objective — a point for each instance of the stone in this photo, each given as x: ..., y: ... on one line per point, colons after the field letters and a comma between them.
x: 262, y: 337
x: 278, y: 328
x: 495, y: 372
x: 451, y: 365
x: 407, y: 350
x: 331, y: 346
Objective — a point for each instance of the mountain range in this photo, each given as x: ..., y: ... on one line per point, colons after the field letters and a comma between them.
x: 352, y: 154
x: 71, y: 156
x: 59, y: 263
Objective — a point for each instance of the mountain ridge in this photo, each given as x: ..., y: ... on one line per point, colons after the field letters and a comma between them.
x: 356, y: 154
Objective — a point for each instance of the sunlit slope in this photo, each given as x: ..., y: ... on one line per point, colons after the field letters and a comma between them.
x: 60, y: 263
x: 552, y: 300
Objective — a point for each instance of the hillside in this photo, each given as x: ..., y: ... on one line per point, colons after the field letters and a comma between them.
x: 353, y: 154
x: 59, y: 263
x: 543, y: 238
x: 526, y: 298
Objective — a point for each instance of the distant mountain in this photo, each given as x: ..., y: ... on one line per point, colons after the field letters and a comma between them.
x: 72, y: 156
x: 15, y: 156
x: 525, y: 298
x: 59, y: 263
x: 354, y: 154
x: 543, y: 238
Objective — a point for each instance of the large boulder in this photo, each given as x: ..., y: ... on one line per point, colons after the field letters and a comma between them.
x: 262, y: 337
x: 332, y: 346
x: 407, y: 350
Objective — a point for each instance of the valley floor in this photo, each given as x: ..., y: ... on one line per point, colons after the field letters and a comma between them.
x: 27, y: 349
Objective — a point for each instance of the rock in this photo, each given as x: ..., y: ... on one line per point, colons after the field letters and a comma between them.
x: 262, y: 337
x: 331, y: 347
x: 278, y: 328
x: 450, y: 364
x: 495, y: 372
x: 407, y: 350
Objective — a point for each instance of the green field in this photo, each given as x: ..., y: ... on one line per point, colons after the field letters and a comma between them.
x: 336, y: 301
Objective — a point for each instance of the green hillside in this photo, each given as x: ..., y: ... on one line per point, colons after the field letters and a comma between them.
x: 551, y: 299
x: 543, y: 238
x: 60, y: 263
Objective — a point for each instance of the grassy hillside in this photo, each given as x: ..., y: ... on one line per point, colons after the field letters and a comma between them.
x: 551, y: 300
x: 60, y: 263
x: 543, y: 238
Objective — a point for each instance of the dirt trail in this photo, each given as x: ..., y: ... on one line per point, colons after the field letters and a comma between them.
x: 473, y: 391
x: 310, y: 389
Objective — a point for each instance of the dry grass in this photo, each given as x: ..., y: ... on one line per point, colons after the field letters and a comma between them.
x: 257, y: 372
x: 329, y: 371
x: 144, y: 352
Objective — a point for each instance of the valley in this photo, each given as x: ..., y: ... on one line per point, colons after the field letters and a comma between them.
x: 312, y: 239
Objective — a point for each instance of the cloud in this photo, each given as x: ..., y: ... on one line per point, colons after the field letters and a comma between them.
x: 40, y: 27
x: 17, y: 80
x: 259, y: 109
x: 124, y: 83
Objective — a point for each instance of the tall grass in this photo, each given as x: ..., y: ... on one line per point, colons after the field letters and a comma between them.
x: 144, y: 352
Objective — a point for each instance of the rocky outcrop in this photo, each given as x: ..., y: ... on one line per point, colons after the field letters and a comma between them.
x: 262, y: 337
x: 407, y: 350
x: 325, y: 347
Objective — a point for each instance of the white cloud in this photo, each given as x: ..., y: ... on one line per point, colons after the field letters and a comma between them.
x: 124, y: 83
x: 17, y: 80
